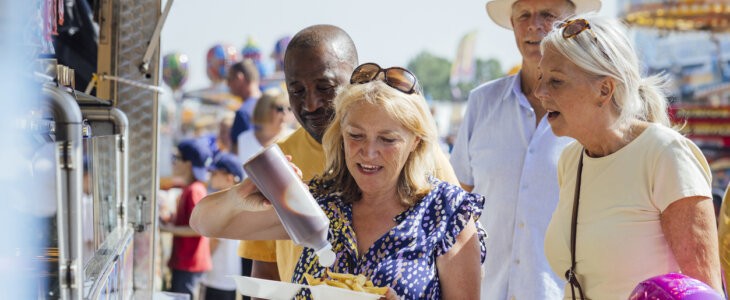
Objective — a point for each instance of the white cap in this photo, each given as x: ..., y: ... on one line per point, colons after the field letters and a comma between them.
x: 326, y: 256
x: 501, y: 10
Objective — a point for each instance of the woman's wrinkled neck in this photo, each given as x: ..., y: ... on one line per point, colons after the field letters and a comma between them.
x: 612, y: 138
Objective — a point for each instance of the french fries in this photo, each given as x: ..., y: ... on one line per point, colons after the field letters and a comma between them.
x: 358, y: 283
x: 311, y: 280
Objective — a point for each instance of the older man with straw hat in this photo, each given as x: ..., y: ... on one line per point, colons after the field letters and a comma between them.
x: 506, y: 151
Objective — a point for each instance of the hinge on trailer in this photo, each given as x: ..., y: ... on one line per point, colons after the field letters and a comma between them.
x: 140, y: 225
x: 65, y: 161
x: 121, y: 144
x: 68, y: 275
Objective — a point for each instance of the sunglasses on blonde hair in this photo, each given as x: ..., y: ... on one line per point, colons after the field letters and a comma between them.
x: 574, y: 27
x: 395, y: 77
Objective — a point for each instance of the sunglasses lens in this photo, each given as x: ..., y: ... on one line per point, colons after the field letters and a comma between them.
x: 364, y: 73
x: 401, y: 79
x: 574, y: 28
x: 281, y: 109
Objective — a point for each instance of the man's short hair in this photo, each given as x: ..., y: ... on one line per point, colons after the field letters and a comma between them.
x: 320, y: 35
x: 247, y: 67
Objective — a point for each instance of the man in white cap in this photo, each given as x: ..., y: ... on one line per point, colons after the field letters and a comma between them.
x: 506, y: 151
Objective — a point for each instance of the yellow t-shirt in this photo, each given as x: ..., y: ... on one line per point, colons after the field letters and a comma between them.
x: 619, y: 238
x: 308, y: 155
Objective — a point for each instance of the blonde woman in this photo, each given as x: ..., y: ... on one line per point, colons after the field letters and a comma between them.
x: 635, y: 198
x: 391, y: 218
x: 272, y: 118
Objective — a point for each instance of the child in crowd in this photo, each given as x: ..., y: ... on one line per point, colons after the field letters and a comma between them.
x: 190, y: 256
x: 225, y: 172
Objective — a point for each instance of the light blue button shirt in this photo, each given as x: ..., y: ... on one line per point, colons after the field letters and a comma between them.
x: 513, y: 164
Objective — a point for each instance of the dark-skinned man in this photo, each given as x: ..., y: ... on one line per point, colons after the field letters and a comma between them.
x: 318, y: 60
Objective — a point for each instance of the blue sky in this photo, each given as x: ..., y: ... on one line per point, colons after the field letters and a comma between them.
x: 389, y: 32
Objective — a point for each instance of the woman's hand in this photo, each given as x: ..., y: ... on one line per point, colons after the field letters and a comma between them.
x: 690, y: 229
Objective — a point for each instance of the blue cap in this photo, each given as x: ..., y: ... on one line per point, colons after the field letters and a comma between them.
x: 231, y: 164
x: 212, y: 141
x: 197, y: 152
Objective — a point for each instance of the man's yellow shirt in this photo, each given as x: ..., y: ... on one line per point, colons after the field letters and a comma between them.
x: 308, y: 155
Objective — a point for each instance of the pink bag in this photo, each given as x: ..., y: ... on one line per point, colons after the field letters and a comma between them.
x: 674, y: 286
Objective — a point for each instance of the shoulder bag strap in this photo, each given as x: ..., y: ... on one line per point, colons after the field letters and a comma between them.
x: 570, y: 274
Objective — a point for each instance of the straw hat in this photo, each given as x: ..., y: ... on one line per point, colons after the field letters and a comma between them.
x: 501, y: 10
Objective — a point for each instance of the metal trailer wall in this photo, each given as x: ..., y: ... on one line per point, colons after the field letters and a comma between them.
x: 126, y: 27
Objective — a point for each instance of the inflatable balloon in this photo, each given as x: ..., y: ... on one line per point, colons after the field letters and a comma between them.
x: 279, y: 50
x: 674, y: 286
x: 220, y: 58
x: 175, y: 70
x: 251, y: 51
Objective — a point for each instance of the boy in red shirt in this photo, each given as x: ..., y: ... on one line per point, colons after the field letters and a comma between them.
x: 190, y: 252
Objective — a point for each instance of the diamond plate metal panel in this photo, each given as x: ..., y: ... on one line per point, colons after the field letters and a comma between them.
x: 135, y: 21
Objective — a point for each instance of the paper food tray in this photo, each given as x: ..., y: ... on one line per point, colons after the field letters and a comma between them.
x: 277, y: 290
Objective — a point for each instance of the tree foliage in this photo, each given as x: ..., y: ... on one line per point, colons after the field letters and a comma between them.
x: 433, y: 74
x: 485, y: 70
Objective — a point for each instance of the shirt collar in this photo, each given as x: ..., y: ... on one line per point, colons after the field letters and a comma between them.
x: 517, y: 90
x: 311, y: 141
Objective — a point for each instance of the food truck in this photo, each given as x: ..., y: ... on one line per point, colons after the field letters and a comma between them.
x: 96, y: 127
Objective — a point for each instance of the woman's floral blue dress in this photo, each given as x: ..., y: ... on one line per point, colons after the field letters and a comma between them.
x: 405, y: 257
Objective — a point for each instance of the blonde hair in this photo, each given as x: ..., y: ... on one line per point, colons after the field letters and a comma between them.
x: 270, y: 99
x: 635, y: 97
x: 412, y: 113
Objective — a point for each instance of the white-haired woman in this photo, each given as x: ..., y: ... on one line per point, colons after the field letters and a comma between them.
x: 391, y: 218
x: 635, y: 197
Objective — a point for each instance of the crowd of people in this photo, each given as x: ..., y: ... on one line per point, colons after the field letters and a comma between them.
x: 566, y: 180
x: 204, y: 164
